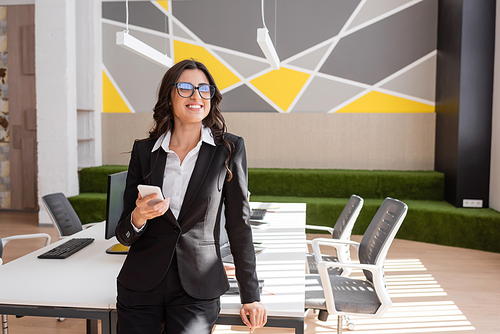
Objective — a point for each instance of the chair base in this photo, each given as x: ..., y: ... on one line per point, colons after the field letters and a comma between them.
x: 340, y: 320
x: 323, y: 315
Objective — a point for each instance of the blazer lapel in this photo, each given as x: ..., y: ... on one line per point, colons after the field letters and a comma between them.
x: 157, y: 161
x: 203, y: 162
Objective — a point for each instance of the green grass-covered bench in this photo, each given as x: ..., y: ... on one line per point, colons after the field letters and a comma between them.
x: 90, y: 205
x: 335, y: 183
x: 430, y: 218
x: 436, y: 222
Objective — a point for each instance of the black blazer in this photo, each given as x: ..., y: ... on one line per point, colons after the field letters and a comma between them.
x: 194, y: 236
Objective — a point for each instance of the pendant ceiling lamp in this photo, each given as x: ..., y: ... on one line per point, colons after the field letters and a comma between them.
x: 266, y: 44
x: 129, y: 42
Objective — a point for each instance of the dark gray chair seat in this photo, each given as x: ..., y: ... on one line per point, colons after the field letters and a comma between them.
x: 350, y: 295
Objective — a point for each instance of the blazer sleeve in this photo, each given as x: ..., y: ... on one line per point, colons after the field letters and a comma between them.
x: 237, y: 225
x: 125, y: 233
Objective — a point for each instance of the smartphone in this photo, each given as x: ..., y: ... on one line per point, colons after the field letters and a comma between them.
x: 146, y: 190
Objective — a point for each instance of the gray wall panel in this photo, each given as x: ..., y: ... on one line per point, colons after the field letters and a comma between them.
x: 228, y: 23
x: 303, y: 24
x: 300, y: 24
x: 420, y: 81
x: 373, y: 53
x: 323, y: 95
x: 142, y: 14
x: 374, y: 8
x: 246, y: 67
x: 244, y: 99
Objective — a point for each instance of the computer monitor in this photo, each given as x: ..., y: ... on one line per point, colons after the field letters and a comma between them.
x: 114, y: 208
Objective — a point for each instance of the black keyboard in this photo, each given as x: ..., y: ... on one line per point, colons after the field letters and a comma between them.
x: 66, y: 249
x: 257, y: 214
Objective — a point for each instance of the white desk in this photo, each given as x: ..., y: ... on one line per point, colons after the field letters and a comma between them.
x: 282, y: 267
x: 84, y: 285
x: 81, y: 286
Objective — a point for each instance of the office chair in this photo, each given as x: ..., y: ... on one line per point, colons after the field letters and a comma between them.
x: 339, y: 295
x: 341, y: 231
x: 5, y: 326
x: 62, y: 214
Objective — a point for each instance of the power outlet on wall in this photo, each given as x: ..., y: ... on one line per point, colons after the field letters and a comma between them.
x: 472, y: 203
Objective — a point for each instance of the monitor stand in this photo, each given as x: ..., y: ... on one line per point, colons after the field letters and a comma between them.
x: 117, y: 249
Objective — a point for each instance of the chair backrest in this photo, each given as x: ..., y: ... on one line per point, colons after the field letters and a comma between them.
x: 62, y: 214
x: 380, y: 233
x: 345, y: 222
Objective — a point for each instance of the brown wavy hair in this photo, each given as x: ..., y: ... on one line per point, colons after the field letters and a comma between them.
x: 163, y: 114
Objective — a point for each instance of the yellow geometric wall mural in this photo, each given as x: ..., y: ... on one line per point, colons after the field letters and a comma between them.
x: 111, y: 99
x: 320, y: 63
x: 222, y: 75
x: 281, y: 86
x: 376, y: 102
x: 164, y: 4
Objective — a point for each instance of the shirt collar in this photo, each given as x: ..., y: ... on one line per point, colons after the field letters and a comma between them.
x: 164, y: 140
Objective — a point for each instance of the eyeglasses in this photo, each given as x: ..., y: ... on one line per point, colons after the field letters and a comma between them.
x: 185, y: 89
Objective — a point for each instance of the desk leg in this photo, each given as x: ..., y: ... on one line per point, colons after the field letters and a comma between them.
x: 106, y: 325
x: 299, y: 329
x: 92, y: 326
x: 113, y: 321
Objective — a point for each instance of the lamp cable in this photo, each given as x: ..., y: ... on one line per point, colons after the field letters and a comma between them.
x: 126, y: 16
x: 262, y: 10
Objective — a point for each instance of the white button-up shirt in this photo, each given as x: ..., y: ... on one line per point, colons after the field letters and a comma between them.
x: 176, y: 175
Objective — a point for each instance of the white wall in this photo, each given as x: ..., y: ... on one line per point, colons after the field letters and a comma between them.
x: 89, y: 81
x: 339, y: 141
x: 495, y: 139
x: 56, y: 99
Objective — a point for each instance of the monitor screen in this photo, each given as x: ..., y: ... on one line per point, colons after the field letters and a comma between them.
x: 114, y: 205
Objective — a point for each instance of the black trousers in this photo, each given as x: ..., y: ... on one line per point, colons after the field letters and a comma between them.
x: 165, y: 309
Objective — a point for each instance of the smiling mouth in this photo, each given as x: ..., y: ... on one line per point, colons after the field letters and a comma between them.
x: 194, y: 106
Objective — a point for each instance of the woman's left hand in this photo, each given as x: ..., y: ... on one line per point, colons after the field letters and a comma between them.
x: 254, y: 315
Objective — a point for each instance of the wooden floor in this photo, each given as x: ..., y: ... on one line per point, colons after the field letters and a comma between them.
x: 434, y: 289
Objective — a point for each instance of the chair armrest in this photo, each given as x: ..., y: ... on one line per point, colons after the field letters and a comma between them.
x: 332, y: 242
x: 336, y: 243
x: 319, y: 228
x: 28, y: 236
x: 374, y: 269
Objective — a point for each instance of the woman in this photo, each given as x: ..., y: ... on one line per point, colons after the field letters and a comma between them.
x: 173, y: 275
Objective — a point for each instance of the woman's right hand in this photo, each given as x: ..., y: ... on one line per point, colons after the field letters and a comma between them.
x: 143, y: 211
